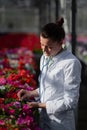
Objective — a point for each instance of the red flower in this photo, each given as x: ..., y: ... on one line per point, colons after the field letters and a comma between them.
x: 1, y: 100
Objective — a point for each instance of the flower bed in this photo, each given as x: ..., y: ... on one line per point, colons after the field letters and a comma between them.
x: 15, y: 114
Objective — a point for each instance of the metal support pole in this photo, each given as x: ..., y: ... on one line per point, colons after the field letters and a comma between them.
x: 57, y: 9
x: 49, y: 9
x: 73, y: 26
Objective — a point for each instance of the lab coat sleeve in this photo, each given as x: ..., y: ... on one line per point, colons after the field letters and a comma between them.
x: 38, y: 89
x: 72, y: 74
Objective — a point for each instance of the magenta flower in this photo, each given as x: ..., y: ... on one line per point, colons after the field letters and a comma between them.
x: 25, y: 107
x: 20, y: 121
x: 11, y: 112
x: 24, y: 121
x: 17, y: 104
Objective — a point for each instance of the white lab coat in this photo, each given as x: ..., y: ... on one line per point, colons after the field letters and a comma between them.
x: 60, y: 85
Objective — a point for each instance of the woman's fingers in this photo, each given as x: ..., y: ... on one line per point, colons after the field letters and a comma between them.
x: 32, y: 104
x: 21, y: 94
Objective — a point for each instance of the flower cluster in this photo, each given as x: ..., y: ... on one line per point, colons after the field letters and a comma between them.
x: 15, y: 114
x: 21, y: 58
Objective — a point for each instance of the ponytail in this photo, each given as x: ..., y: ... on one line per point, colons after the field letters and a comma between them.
x: 60, y: 22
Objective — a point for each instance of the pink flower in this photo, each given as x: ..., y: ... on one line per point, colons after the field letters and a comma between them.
x: 2, y: 81
x: 2, y: 122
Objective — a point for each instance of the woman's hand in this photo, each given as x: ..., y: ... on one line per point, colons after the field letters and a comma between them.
x: 24, y: 94
x: 36, y: 105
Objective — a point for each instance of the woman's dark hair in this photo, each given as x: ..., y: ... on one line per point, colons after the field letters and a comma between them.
x: 54, y: 31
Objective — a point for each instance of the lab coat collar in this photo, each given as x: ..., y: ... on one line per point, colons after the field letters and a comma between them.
x: 58, y: 58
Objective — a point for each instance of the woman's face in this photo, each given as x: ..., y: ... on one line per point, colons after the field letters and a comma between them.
x: 49, y: 47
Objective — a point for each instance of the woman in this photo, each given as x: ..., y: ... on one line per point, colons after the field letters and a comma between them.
x: 59, y: 81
